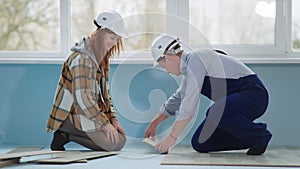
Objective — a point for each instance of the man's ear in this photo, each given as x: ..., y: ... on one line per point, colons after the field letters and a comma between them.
x: 168, y: 57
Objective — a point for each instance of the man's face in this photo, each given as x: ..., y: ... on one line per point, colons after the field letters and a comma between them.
x: 171, y: 63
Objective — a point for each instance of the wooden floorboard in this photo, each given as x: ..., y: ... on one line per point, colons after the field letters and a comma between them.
x: 273, y: 157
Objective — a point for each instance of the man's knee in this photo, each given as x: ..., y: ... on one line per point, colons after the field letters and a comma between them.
x: 201, y: 148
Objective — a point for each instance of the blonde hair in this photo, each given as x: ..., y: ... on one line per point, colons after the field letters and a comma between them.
x: 115, y: 50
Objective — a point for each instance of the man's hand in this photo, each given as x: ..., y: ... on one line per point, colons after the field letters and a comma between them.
x: 165, y: 145
x: 150, y: 131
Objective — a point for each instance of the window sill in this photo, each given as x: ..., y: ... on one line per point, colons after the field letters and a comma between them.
x: 144, y: 58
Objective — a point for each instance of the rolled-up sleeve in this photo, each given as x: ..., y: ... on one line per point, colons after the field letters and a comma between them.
x: 172, y: 104
x: 193, y: 82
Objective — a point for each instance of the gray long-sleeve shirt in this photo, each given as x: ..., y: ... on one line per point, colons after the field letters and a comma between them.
x: 195, y: 66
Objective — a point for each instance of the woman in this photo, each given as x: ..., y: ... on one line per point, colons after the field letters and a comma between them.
x: 82, y: 110
x: 238, y: 95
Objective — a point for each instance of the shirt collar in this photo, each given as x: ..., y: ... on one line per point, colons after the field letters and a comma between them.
x: 183, y: 63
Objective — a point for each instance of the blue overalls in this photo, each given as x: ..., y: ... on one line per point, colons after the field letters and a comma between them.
x: 233, y: 114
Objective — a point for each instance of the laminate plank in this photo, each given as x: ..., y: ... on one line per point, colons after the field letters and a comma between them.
x: 25, y: 149
x: 26, y: 154
x: 16, y: 160
x: 75, y: 156
x: 273, y: 157
x: 5, y: 163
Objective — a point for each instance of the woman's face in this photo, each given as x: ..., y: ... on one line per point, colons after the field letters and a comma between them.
x: 110, y: 40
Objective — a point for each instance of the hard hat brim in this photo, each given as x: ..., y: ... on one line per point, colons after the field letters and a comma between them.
x: 155, y: 64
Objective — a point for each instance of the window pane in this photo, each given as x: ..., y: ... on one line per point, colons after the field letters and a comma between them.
x: 296, y: 25
x: 28, y: 25
x: 232, y: 21
x: 143, y: 19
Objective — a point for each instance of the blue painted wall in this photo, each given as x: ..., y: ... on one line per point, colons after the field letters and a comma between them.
x: 27, y: 91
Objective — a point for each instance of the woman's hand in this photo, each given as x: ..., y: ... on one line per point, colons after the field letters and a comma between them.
x: 118, y: 127
x: 111, y: 133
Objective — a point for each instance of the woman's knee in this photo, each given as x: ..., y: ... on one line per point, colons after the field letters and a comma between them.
x: 110, y: 146
x: 120, y: 144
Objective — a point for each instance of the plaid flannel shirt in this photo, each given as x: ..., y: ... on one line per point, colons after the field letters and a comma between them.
x: 82, y: 95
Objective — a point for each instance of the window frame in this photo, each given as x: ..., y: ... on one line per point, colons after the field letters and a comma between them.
x: 280, y: 52
x: 46, y: 57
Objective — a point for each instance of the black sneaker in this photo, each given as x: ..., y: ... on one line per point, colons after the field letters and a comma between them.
x: 59, y: 140
x: 259, y: 149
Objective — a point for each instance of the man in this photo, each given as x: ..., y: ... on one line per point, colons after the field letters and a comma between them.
x: 238, y: 95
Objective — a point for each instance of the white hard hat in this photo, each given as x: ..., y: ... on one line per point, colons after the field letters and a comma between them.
x: 164, y: 44
x: 111, y: 20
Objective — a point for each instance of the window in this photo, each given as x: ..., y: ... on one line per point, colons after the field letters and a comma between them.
x: 259, y: 31
x: 233, y: 21
x: 28, y: 25
x: 296, y: 25
x: 250, y: 30
x: 140, y: 26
